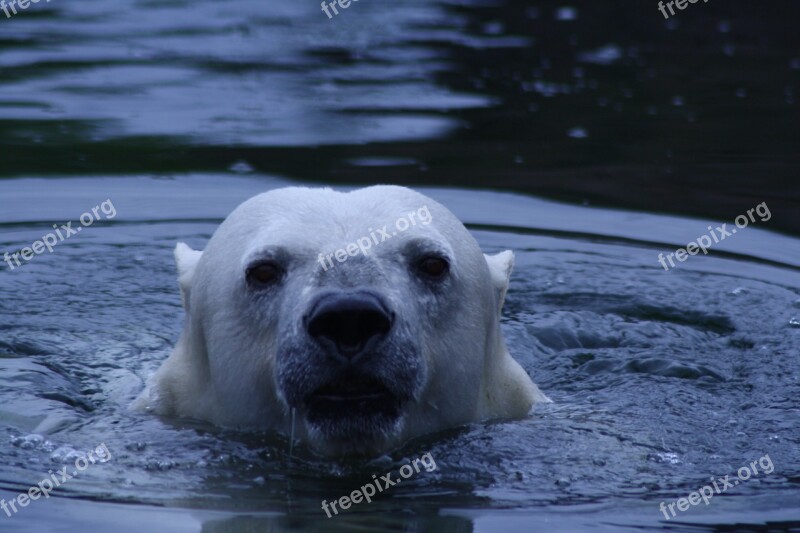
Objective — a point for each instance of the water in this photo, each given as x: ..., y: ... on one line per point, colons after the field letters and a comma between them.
x: 179, y: 111
x: 660, y: 380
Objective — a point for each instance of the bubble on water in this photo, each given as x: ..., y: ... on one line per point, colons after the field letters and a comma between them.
x: 665, y: 457
x: 260, y: 481
x: 797, y: 303
x: 224, y: 459
x: 28, y: 442
x: 678, y: 101
x: 739, y: 290
x: 794, y: 322
x: 155, y: 464
x: 64, y: 454
x: 74, y: 456
x: 136, y: 446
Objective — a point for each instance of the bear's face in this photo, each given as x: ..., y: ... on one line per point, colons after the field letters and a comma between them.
x: 367, y: 347
x: 352, y: 352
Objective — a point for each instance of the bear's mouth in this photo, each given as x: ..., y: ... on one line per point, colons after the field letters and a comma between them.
x: 352, y: 397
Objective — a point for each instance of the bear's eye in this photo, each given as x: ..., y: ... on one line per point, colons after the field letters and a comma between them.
x: 266, y: 273
x: 433, y: 267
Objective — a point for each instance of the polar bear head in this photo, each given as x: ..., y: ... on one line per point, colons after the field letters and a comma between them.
x: 371, y: 316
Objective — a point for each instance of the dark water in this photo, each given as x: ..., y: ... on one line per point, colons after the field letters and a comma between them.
x: 177, y: 111
x: 697, y: 115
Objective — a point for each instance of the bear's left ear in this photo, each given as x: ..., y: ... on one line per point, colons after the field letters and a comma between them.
x: 186, y: 259
x: 500, y: 266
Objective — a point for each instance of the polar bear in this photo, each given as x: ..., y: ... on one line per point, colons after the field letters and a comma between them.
x: 371, y: 317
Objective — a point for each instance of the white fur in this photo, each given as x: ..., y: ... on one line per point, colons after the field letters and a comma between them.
x: 223, y: 369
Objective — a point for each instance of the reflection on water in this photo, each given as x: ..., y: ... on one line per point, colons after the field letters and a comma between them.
x: 601, y: 102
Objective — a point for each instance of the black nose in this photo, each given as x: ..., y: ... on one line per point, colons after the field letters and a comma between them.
x: 348, y: 325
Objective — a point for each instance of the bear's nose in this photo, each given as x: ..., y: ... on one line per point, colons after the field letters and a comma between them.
x: 349, y: 324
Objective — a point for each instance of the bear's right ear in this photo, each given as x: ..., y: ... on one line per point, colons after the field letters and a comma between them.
x: 186, y: 259
x: 500, y: 266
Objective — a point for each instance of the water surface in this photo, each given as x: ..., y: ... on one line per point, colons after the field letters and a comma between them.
x: 647, y: 131
x: 660, y: 379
